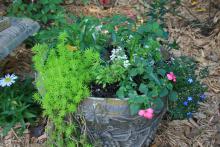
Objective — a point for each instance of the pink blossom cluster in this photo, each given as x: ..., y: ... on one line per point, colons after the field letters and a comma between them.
x: 148, y: 113
x: 171, y: 77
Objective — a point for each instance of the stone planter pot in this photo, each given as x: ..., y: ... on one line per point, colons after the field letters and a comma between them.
x: 109, y: 122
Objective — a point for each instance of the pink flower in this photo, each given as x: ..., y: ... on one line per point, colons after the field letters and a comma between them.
x: 171, y: 77
x: 149, y: 110
x: 141, y: 112
x: 148, y: 115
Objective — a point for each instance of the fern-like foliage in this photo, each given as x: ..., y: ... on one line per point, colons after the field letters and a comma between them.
x: 63, y: 78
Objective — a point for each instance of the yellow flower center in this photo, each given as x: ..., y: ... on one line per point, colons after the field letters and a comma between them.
x: 7, y: 80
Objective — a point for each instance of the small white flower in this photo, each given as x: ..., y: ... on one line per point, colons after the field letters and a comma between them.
x: 112, y: 57
x: 119, y: 49
x: 126, y: 63
x: 152, y: 62
x: 105, y: 32
x: 8, y: 80
x: 172, y: 58
x: 124, y: 57
x: 146, y: 46
x: 130, y: 37
x: 157, y: 49
x: 98, y: 28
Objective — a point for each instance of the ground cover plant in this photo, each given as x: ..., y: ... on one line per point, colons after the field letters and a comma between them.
x: 112, y: 57
x: 17, y: 105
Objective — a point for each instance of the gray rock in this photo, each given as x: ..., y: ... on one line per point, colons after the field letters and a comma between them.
x: 20, y: 29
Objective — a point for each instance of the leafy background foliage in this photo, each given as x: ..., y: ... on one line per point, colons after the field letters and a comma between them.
x: 43, y: 11
x: 17, y: 106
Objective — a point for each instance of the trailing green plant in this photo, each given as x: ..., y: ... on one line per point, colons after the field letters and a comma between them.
x: 17, y: 105
x: 64, y: 71
x: 188, y: 86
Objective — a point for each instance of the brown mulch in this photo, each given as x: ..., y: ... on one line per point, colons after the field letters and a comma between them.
x: 18, y: 62
x: 93, y: 10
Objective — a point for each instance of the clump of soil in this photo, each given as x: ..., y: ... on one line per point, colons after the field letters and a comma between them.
x: 109, y: 91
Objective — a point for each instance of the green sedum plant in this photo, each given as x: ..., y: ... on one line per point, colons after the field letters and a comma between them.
x: 62, y: 81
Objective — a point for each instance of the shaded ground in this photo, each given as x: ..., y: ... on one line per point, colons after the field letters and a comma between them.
x: 197, y: 31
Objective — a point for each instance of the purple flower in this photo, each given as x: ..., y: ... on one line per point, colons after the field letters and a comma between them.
x: 202, y: 97
x: 185, y: 103
x: 190, y: 80
x: 189, y: 98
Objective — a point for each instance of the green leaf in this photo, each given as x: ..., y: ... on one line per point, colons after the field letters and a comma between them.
x: 153, y: 93
x: 133, y: 72
x: 29, y: 114
x: 114, y: 37
x: 173, y: 96
x: 164, y: 92
x: 158, y: 104
x: 155, y: 78
x: 162, y: 72
x: 134, y: 108
x: 120, y: 93
x: 170, y: 86
x: 8, y: 127
x: 137, y: 99
x: 143, y: 89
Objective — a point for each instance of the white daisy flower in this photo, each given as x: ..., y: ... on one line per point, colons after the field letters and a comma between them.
x: 8, y: 80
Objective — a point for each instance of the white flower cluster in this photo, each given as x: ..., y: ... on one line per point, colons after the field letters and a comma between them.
x: 119, y: 55
x: 126, y: 63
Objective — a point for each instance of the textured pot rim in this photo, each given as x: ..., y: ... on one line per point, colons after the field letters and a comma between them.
x: 102, y: 98
x: 122, y: 100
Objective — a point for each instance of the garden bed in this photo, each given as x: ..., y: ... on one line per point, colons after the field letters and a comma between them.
x: 203, y: 129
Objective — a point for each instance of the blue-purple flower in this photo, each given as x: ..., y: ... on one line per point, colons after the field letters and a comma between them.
x: 190, y: 80
x: 189, y: 114
x: 189, y: 98
x: 185, y: 103
x: 202, y: 97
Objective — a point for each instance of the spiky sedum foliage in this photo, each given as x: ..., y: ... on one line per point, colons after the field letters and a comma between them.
x: 64, y: 73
